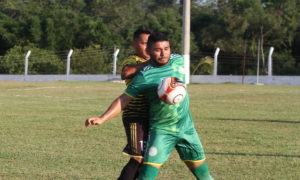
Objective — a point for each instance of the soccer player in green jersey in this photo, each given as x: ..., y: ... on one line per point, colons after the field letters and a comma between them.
x: 170, y: 126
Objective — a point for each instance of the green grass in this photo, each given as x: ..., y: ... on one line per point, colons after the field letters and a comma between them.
x: 248, y: 132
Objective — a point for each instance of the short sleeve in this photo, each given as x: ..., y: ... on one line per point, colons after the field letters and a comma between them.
x: 129, y: 60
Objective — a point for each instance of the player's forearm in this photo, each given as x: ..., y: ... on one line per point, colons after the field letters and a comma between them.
x: 113, y: 110
x: 116, y: 107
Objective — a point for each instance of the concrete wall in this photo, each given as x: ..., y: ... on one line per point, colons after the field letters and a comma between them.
x: 42, y: 78
x: 268, y: 80
x: 272, y: 80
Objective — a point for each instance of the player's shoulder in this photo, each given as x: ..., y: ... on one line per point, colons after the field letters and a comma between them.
x: 176, y: 59
x: 146, y: 68
x: 133, y: 59
x: 138, y: 59
x: 129, y: 60
x: 176, y: 56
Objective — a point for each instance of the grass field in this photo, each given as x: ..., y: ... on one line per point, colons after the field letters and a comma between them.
x: 248, y: 132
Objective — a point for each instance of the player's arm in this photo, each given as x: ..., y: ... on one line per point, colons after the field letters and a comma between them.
x: 130, y: 70
x: 113, y: 110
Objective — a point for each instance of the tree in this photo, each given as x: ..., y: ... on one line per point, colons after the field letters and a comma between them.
x: 91, y: 60
x: 237, y: 25
x: 205, y: 66
x: 233, y: 25
x: 40, y: 61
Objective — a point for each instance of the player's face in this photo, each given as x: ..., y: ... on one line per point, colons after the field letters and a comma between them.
x: 160, y: 52
x: 140, y: 46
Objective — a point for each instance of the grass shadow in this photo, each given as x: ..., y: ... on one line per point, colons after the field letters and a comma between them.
x: 257, y: 120
x: 254, y: 154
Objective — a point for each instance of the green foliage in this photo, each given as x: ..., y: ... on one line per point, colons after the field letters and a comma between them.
x: 91, y: 60
x: 233, y: 25
x: 205, y: 66
x: 40, y: 61
x: 237, y: 25
x: 285, y: 64
x: 13, y: 61
x: 169, y: 22
x: 45, y: 62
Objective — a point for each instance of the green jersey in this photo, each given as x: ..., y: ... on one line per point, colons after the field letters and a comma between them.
x: 162, y: 116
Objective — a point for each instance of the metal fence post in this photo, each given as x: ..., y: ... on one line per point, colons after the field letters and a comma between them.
x: 69, y: 63
x: 258, y: 62
x: 115, y: 59
x: 216, y: 61
x: 26, y: 63
x: 270, y: 61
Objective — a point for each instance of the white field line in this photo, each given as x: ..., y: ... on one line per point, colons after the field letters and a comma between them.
x: 29, y: 89
x: 65, y: 98
x: 55, y: 97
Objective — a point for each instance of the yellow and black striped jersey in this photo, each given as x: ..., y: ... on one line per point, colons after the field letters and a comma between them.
x: 138, y: 107
x: 132, y: 60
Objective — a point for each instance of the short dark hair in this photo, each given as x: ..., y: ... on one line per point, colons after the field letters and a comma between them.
x: 140, y: 31
x: 156, y: 37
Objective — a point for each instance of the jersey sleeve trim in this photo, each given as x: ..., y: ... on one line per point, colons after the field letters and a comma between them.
x: 129, y: 94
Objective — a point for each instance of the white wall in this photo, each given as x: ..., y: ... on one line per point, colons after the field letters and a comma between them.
x: 268, y: 80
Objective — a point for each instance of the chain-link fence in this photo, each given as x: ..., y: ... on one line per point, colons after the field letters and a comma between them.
x: 100, y: 61
x: 83, y: 61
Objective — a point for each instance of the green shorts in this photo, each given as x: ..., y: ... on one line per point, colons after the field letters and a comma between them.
x: 161, y: 144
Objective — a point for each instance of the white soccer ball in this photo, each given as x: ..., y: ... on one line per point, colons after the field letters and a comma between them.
x: 171, y: 90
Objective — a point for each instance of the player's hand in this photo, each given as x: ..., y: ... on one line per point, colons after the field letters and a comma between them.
x: 93, y: 121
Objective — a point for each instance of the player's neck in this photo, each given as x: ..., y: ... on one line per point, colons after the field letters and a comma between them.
x: 158, y: 64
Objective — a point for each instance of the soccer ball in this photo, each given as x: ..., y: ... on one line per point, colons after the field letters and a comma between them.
x: 171, y: 90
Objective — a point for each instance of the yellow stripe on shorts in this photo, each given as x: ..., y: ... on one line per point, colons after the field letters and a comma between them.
x: 133, y: 136
x: 153, y: 164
